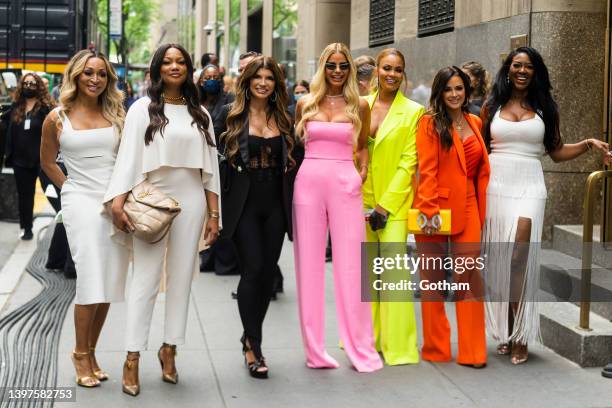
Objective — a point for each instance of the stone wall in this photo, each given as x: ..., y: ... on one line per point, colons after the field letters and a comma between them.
x: 571, y: 41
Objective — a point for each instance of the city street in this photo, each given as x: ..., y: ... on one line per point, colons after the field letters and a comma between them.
x: 212, y: 373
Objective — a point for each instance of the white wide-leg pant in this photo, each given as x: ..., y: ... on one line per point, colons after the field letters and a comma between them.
x: 181, y: 243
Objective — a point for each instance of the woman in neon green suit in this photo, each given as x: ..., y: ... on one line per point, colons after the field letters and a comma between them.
x: 388, y: 191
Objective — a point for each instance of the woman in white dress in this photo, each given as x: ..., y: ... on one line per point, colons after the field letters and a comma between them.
x: 86, y: 128
x: 521, y: 124
x: 169, y: 141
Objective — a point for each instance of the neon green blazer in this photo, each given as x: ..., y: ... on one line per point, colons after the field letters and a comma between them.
x: 393, y: 158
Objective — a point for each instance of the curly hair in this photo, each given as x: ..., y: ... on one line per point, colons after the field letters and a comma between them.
x: 318, y: 89
x: 158, y: 119
x: 43, y: 99
x: 277, y: 108
x: 111, y: 99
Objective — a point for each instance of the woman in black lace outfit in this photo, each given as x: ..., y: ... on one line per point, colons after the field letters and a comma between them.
x: 257, y: 192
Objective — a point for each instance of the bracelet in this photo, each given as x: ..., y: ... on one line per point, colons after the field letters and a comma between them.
x: 588, y: 144
x: 213, y: 214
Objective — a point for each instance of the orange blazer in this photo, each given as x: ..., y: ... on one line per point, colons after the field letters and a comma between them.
x: 443, y: 176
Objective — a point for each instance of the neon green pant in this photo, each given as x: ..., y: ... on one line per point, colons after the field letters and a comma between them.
x: 395, y: 327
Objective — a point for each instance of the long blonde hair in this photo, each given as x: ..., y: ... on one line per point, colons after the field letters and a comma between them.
x: 111, y: 99
x: 318, y: 89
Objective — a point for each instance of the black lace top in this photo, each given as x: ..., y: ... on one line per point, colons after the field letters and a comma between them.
x: 265, y: 156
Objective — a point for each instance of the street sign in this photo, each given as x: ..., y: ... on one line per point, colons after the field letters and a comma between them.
x: 115, y: 25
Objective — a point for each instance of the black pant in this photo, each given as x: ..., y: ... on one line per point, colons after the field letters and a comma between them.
x: 25, y: 178
x: 259, y: 240
x: 221, y: 257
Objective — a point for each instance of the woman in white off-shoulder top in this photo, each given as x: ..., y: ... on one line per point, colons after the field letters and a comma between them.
x: 168, y: 140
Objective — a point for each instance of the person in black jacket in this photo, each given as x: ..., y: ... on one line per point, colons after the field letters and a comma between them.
x: 257, y: 174
x: 221, y: 256
x: 23, y: 123
x: 212, y: 96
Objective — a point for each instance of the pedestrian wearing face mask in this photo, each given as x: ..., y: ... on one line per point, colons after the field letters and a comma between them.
x: 23, y: 122
x: 300, y: 88
x: 212, y: 96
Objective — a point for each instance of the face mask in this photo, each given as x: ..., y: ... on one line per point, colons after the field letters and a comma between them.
x: 29, y: 92
x: 296, y: 97
x: 212, y: 86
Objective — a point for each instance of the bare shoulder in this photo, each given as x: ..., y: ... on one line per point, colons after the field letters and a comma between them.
x: 51, y: 120
x: 364, y: 107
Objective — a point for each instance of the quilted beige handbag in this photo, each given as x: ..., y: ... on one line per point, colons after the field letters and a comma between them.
x: 151, y: 211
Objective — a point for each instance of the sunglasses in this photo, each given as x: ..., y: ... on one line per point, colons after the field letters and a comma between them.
x: 29, y: 84
x: 332, y: 66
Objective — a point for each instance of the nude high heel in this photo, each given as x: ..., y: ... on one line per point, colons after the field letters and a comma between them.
x: 131, y: 366
x: 171, y: 378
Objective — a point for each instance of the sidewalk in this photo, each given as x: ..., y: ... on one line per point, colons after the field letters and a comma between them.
x: 212, y: 373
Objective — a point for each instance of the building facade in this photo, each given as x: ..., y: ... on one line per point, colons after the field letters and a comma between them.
x: 571, y: 36
x: 231, y: 27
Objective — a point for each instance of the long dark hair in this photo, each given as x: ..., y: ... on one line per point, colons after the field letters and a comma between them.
x: 277, y: 107
x: 43, y: 99
x: 158, y: 120
x: 539, y: 98
x: 437, y: 107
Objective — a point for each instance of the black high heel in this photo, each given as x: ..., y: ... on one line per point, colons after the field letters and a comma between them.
x: 254, y: 366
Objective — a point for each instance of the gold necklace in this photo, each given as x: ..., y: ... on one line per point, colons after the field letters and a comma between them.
x: 173, y: 99
x: 459, y: 125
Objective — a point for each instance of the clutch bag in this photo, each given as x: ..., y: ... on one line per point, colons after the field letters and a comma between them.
x: 414, y: 221
x: 151, y: 211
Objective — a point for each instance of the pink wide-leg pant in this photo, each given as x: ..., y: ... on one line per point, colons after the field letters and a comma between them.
x: 328, y: 192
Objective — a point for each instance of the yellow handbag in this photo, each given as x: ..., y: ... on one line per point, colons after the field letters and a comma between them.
x: 413, y: 222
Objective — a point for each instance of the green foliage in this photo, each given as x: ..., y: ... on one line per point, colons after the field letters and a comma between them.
x: 285, y: 17
x: 138, y: 16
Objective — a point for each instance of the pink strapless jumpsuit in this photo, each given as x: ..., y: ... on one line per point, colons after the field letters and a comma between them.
x: 328, y: 192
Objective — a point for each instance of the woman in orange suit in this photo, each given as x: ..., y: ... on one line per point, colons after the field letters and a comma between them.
x: 454, y: 173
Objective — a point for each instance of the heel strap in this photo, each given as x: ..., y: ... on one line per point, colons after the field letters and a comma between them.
x: 133, y: 356
x: 172, y: 347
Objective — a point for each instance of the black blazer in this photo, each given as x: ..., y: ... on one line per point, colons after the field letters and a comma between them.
x: 235, y: 182
x: 218, y: 114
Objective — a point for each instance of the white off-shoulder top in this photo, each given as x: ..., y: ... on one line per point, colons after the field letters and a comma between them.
x: 181, y: 145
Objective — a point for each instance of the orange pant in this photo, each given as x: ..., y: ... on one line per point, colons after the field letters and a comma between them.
x: 470, y: 312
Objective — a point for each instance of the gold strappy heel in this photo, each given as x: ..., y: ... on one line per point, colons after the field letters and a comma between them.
x: 87, y: 381
x: 131, y: 364
x: 99, y: 373
x: 171, y: 378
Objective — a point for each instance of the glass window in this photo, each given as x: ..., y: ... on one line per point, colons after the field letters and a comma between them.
x: 284, y: 36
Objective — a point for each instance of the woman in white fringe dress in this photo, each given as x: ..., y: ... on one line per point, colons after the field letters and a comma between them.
x: 521, y: 124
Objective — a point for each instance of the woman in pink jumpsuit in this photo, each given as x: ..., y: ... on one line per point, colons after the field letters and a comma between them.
x: 331, y: 120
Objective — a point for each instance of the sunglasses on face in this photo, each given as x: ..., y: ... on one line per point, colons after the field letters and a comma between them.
x: 29, y: 84
x: 332, y: 66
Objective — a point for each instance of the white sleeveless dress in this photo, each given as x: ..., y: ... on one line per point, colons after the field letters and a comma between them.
x: 516, y: 189
x: 101, y: 263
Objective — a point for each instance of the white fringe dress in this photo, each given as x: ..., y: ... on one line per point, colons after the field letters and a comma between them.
x: 516, y: 189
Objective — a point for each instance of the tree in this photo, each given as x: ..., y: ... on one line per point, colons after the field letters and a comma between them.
x: 137, y: 18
